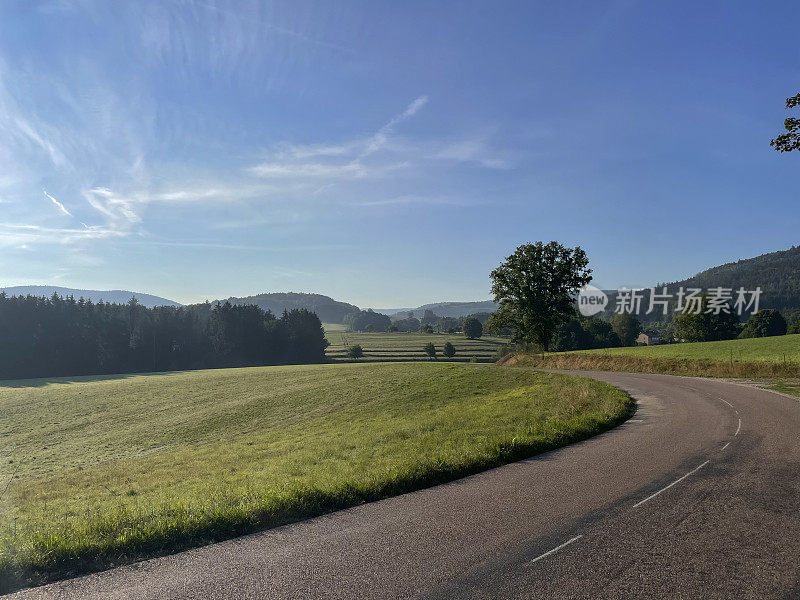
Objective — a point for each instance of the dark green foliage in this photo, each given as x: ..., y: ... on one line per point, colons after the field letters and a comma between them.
x: 444, y: 324
x: 627, y: 327
x: 63, y: 336
x: 409, y: 324
x: 536, y: 288
x: 585, y: 333
x: 794, y: 327
x: 449, y: 350
x: 360, y: 320
x: 428, y: 317
x: 355, y: 352
x: 764, y: 323
x: 707, y: 326
x: 429, y: 350
x: 393, y: 329
x: 603, y: 334
x: 472, y: 328
x: 790, y: 140
x: 776, y: 273
x: 304, y: 336
x: 426, y: 328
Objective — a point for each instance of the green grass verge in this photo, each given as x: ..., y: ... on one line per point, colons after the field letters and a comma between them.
x: 790, y: 386
x: 778, y: 349
x: 106, y: 470
x: 763, y: 358
x: 666, y: 366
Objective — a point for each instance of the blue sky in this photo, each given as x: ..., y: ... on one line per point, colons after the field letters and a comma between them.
x: 387, y: 153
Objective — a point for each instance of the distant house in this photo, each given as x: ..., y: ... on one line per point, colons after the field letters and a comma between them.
x: 647, y: 339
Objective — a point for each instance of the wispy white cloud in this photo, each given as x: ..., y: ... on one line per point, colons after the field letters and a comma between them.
x: 376, y: 155
x: 411, y: 199
x: 291, y: 161
x: 475, y: 151
x: 15, y: 234
x: 120, y: 212
x: 377, y: 141
x: 57, y: 203
x: 289, y: 151
x: 273, y: 170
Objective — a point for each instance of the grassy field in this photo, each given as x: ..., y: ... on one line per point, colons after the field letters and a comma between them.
x: 771, y: 357
x: 100, y: 471
x: 783, y: 348
x: 397, y: 346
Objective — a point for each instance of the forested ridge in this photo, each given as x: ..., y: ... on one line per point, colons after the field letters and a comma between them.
x: 47, y: 337
x: 776, y: 273
x: 328, y: 309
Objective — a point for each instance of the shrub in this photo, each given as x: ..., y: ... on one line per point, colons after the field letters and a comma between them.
x: 472, y: 328
x: 764, y: 323
x: 449, y: 350
x: 627, y: 328
x: 430, y: 350
x: 355, y: 352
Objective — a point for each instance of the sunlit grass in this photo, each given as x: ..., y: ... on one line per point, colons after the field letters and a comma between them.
x: 770, y: 357
x: 404, y: 346
x: 783, y: 348
x: 106, y: 470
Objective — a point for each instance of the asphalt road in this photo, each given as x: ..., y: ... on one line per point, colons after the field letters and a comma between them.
x: 697, y: 496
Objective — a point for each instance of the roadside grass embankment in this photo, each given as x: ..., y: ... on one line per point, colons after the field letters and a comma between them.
x: 773, y: 362
x: 102, y: 471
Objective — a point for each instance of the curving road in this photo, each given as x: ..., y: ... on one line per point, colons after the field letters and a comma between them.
x: 696, y: 496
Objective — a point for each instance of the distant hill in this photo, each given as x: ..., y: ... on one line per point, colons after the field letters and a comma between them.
x: 446, y: 309
x: 327, y: 309
x: 776, y: 273
x: 112, y: 296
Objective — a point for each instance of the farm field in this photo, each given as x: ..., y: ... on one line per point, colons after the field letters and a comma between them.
x: 782, y: 348
x: 105, y: 470
x: 775, y: 358
x: 400, y: 346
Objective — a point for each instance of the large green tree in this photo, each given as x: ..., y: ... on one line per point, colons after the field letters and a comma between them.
x: 705, y: 326
x: 786, y: 142
x: 472, y: 328
x: 536, y: 288
x: 764, y: 323
x: 627, y: 327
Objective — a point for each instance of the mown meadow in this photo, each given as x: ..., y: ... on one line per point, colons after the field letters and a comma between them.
x: 100, y: 471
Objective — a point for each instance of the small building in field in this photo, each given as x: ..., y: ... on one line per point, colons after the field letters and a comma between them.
x: 647, y: 339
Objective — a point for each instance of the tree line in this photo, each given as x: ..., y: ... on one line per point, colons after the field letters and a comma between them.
x: 48, y: 337
x: 536, y: 287
x: 429, y: 322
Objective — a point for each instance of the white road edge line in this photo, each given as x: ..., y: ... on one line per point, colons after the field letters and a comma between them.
x: 556, y: 549
x: 739, y: 428
x: 726, y: 402
x: 664, y: 489
x: 726, y: 445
